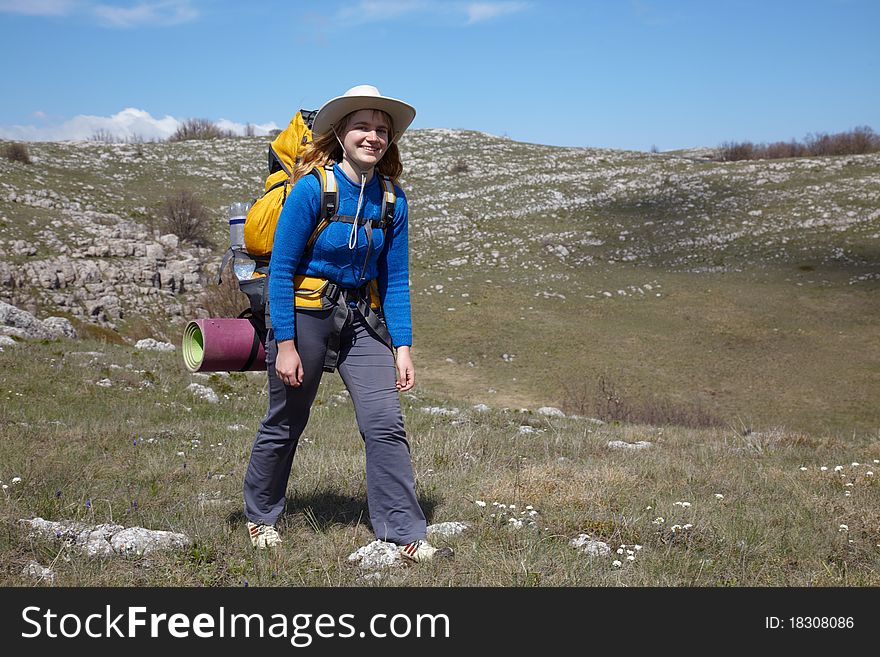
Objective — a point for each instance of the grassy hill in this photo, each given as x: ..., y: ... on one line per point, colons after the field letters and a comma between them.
x: 728, y: 313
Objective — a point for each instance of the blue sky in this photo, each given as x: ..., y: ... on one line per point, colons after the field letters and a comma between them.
x: 627, y: 74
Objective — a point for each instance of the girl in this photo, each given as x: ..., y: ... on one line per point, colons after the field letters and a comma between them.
x: 354, y: 145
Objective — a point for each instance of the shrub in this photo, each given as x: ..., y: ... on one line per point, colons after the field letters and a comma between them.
x: 857, y: 141
x: 460, y: 166
x: 185, y: 215
x: 103, y: 136
x: 18, y: 152
x: 199, y: 129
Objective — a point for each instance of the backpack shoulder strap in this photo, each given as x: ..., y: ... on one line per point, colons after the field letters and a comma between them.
x: 389, y: 200
x: 329, y: 200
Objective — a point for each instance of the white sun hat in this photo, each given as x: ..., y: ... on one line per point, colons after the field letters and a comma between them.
x: 363, y: 96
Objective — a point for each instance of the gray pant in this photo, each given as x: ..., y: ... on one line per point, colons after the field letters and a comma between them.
x: 367, y: 368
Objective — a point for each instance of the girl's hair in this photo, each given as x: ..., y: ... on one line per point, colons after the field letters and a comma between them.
x: 325, y: 148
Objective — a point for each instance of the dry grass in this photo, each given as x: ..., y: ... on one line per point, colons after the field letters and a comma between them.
x: 166, y: 460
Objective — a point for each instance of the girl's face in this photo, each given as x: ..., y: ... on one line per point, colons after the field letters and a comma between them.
x: 366, y: 138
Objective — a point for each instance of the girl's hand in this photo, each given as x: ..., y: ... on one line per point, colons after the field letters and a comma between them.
x: 288, y: 366
x: 406, y: 373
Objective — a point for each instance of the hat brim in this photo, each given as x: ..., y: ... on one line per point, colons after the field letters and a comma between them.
x: 333, y: 111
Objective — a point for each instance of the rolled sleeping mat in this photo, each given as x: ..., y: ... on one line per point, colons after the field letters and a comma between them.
x: 222, y: 345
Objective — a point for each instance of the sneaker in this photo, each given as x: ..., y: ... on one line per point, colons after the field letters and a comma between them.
x: 420, y: 551
x: 263, y: 536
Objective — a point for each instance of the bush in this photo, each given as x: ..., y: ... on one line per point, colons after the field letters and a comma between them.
x: 18, y: 152
x: 857, y: 141
x: 199, y: 129
x: 607, y: 402
x: 460, y: 166
x: 186, y: 216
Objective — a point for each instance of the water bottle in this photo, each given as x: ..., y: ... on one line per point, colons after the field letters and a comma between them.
x: 242, y: 264
x: 237, y: 214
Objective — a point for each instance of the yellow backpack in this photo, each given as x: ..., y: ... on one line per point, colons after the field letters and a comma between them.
x: 284, y: 153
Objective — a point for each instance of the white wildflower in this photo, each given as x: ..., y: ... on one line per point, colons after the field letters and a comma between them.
x: 838, y: 468
x: 16, y: 480
x: 719, y: 496
x: 619, y: 550
x: 803, y: 468
x: 631, y: 558
x: 843, y: 528
x: 682, y: 504
x: 659, y: 520
x: 480, y: 503
x: 855, y: 464
x: 869, y: 473
x: 616, y: 563
x: 824, y: 468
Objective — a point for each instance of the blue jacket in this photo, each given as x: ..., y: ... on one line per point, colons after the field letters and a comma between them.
x: 331, y: 258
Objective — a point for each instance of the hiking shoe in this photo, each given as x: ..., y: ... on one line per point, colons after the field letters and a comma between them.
x: 263, y: 536
x: 420, y: 551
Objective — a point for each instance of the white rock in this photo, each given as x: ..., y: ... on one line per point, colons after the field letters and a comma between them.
x: 106, y: 540
x: 481, y: 408
x: 38, y: 572
x: 447, y: 528
x: 590, y: 547
x: 378, y: 554
x: 6, y: 341
x: 436, y: 410
x: 137, y: 540
x: 169, y: 241
x: 60, y: 326
x: 550, y: 411
x: 149, y: 344
x: 104, y: 383
x: 621, y: 444
x: 203, y: 392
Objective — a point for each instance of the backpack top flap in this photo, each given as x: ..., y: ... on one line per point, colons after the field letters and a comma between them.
x: 287, y: 147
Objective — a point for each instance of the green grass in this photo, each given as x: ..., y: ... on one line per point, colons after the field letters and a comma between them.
x: 119, y: 447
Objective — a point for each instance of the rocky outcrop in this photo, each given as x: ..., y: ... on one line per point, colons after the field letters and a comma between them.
x: 20, y: 323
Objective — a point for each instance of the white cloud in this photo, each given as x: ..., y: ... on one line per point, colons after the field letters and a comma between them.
x: 37, y: 7
x: 484, y: 11
x: 163, y: 13
x: 156, y: 13
x: 368, y: 11
x: 129, y: 124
